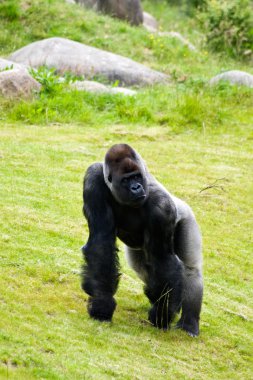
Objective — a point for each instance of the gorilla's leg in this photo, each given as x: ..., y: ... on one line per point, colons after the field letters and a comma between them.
x: 163, y: 286
x: 164, y: 290
x: 188, y: 248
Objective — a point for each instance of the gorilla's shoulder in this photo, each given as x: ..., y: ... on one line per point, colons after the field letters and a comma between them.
x: 95, y: 169
x: 94, y: 177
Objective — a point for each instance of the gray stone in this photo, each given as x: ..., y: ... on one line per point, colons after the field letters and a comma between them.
x: 235, y: 77
x: 123, y: 91
x: 87, y: 3
x: 100, y: 88
x: 69, y: 56
x: 89, y: 86
x: 6, y: 65
x: 150, y: 23
x: 129, y: 10
x: 18, y: 83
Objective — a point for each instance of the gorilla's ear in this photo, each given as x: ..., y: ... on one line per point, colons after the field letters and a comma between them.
x: 110, y: 178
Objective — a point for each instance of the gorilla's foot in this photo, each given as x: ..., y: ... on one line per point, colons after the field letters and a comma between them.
x: 190, y: 325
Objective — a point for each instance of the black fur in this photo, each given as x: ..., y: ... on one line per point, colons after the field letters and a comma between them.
x: 122, y: 200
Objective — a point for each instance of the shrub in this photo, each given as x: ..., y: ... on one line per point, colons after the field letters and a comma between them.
x: 9, y: 10
x: 195, y: 3
x: 47, y: 78
x: 229, y: 26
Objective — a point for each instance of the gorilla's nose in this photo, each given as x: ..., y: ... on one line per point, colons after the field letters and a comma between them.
x: 136, y: 188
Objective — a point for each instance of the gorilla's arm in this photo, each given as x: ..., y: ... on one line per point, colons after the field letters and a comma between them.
x: 100, y: 274
x: 188, y: 248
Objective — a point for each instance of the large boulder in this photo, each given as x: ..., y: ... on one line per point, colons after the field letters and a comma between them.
x: 129, y: 10
x: 16, y: 83
x: 69, y: 56
x: 235, y: 77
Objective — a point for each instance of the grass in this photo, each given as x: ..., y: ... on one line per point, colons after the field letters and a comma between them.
x: 191, y: 136
x: 45, y: 330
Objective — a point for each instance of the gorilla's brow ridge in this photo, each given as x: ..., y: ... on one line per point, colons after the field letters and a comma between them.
x: 121, y: 158
x: 119, y: 152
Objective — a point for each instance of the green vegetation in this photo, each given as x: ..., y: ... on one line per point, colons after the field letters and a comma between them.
x: 195, y: 139
x: 229, y: 27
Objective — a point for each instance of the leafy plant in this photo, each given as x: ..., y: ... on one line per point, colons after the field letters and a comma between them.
x: 47, y: 78
x: 229, y: 26
x: 7, y: 68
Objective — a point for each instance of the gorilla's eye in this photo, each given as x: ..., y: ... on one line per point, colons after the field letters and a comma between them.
x: 109, y: 178
x: 137, y: 177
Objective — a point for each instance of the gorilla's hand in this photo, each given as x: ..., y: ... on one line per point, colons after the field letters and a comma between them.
x: 101, y: 308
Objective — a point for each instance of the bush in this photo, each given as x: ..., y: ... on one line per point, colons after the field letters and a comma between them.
x: 9, y: 10
x: 229, y: 26
x: 194, y: 3
x: 47, y: 78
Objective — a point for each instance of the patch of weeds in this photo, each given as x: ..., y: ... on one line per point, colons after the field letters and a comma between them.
x: 7, y: 68
x: 228, y: 27
x: 48, y: 78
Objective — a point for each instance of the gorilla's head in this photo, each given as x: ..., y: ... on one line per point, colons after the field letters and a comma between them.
x: 125, y: 175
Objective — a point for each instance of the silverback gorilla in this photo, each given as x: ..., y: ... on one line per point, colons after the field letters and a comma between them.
x: 162, y: 238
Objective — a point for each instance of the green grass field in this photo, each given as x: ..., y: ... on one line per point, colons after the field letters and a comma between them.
x: 195, y: 139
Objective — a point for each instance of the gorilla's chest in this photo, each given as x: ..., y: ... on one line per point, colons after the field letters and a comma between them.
x: 131, y: 225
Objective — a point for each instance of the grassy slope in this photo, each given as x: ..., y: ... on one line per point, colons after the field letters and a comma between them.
x: 190, y: 136
x: 45, y: 330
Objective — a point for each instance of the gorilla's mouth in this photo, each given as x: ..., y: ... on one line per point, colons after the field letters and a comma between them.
x: 140, y: 197
x: 138, y: 201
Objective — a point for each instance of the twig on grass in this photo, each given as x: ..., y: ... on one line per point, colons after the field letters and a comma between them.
x: 214, y: 185
x: 245, y: 318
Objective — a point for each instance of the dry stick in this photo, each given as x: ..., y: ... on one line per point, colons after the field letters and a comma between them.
x: 213, y: 185
x: 240, y: 315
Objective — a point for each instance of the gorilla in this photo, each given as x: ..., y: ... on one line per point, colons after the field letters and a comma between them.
x: 163, y: 242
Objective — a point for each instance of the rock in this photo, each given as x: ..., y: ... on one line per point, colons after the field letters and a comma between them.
x: 123, y: 91
x: 179, y: 37
x: 5, y: 65
x: 70, y: 1
x: 100, y: 88
x: 89, y: 86
x: 69, y: 56
x: 129, y: 10
x: 87, y: 3
x: 17, y: 83
x: 150, y: 23
x: 235, y: 77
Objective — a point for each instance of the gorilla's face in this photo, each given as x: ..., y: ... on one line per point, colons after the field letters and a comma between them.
x: 124, y: 174
x: 129, y: 189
